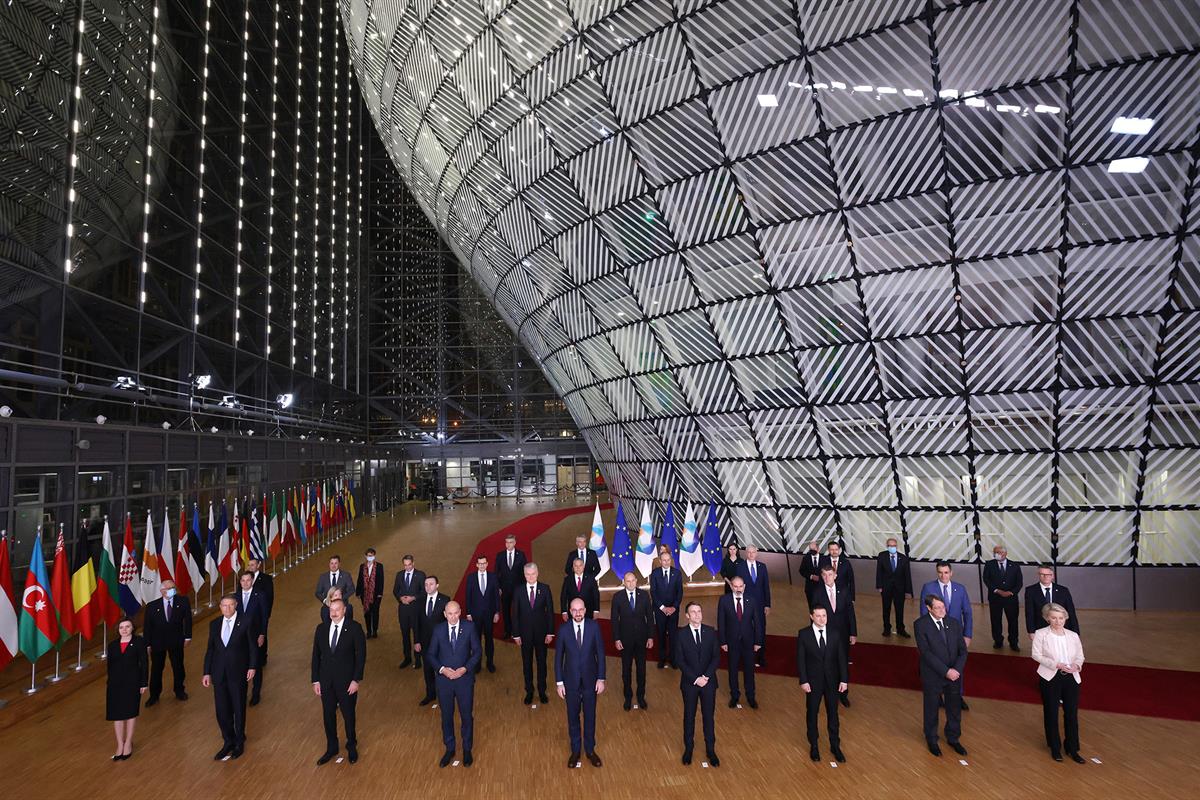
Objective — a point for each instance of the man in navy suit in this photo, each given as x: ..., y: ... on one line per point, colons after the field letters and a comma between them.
x: 533, y: 628
x: 454, y: 655
x: 584, y: 553
x: 1043, y: 592
x: 578, y: 584
x: 632, y: 624
x: 229, y: 664
x: 407, y: 589
x: 579, y: 673
x: 758, y: 587
x: 943, y: 653
x: 1003, y: 581
x: 483, y: 607
x: 893, y: 581
x: 666, y: 594
x: 697, y: 656
x: 841, y: 568
x: 510, y: 563
x: 740, y: 636
x: 958, y: 604
x: 168, y: 629
x: 253, y: 605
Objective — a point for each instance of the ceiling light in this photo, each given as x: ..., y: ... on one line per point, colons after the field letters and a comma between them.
x: 6, y: 411
x: 767, y: 101
x: 948, y: 94
x: 284, y: 400
x: 1008, y: 109
x: 913, y: 93
x: 1044, y: 109
x: 1136, y: 164
x: 202, y: 381
x: 101, y: 419
x: 166, y: 426
x: 976, y: 102
x: 863, y: 87
x: 885, y: 89
x: 213, y: 429
x: 124, y: 382
x: 1136, y: 126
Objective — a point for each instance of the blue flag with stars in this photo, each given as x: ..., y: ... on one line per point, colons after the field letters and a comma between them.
x: 622, y: 552
x: 670, y: 539
x: 711, y: 544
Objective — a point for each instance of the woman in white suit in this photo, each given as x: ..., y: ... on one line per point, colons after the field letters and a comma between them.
x: 1059, y: 653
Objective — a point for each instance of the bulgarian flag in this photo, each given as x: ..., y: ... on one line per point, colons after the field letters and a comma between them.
x: 84, y: 594
x: 8, y: 609
x: 274, y: 545
x: 108, y: 593
x: 38, y: 624
x: 60, y: 587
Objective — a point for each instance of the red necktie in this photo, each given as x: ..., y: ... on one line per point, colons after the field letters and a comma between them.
x: 739, y: 609
x: 531, y: 595
x: 578, y: 584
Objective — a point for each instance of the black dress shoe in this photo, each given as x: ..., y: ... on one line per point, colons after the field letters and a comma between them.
x: 628, y: 703
x: 838, y: 756
x: 151, y: 701
x: 753, y: 703
x: 1078, y: 759
x: 468, y: 760
x: 181, y: 696
x: 814, y: 753
x: 573, y: 761
x: 543, y: 698
x: 255, y: 701
x: 528, y: 698
x: 997, y: 645
x: 406, y: 663
x: 222, y: 753
x: 933, y: 748
x: 352, y: 752
x: 844, y: 699
x: 425, y: 701
x: 447, y: 757
x: 887, y: 633
x: 903, y: 634
x: 642, y: 704
x: 326, y: 758
x: 1056, y: 756
x: 687, y: 757
x: 958, y: 748
x: 236, y: 752
x: 117, y: 757
x: 491, y: 667
x: 713, y: 761
x: 732, y: 702
x: 1016, y: 648
x: 662, y: 665
x: 965, y: 707
x: 595, y: 759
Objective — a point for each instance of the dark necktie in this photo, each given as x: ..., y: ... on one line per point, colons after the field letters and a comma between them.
x: 820, y: 640
x: 531, y: 595
x: 942, y: 630
x: 454, y: 636
x: 696, y: 631
x: 429, y: 607
x: 510, y: 552
x: 579, y: 635
x: 946, y: 596
x: 739, y: 609
x: 1048, y: 600
x: 167, y: 610
x: 631, y: 603
x: 333, y: 642
x: 893, y: 563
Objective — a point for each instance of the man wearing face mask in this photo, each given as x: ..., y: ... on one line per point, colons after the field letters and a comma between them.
x: 369, y: 589
x: 1003, y: 580
x: 893, y: 581
x: 168, y: 629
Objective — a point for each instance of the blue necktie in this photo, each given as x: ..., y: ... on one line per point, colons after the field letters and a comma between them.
x: 946, y: 597
x: 454, y: 636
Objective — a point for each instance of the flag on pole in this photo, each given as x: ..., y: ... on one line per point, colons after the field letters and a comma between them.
x: 151, y: 580
x: 166, y: 555
x: 645, y: 556
x: 130, y: 586
x: 8, y: 608
x: 256, y: 547
x: 669, y: 536
x: 350, y: 498
x: 597, y: 544
x: 287, y: 524
x: 690, y: 556
x: 108, y: 587
x: 37, y: 626
x: 85, y: 596
x: 212, y: 554
x: 236, y: 539
x: 622, y: 551
x: 224, y: 551
x: 244, y: 542
x: 306, y: 524
x: 187, y: 571
x: 274, y: 545
x: 320, y: 511
x: 711, y: 545
x: 60, y: 590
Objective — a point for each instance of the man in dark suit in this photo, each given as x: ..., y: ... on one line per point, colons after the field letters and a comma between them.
x: 841, y: 568
x: 697, y: 656
x: 510, y: 565
x: 579, y: 667
x: 339, y: 655
x: 253, y: 606
x: 229, y: 664
x: 740, y: 636
x: 1043, y: 592
x: 1003, y: 581
x: 483, y: 608
x: 369, y: 588
x: 943, y: 654
x: 666, y: 595
x: 821, y: 659
x: 168, y: 629
x: 336, y: 576
x: 633, y: 629
x: 264, y: 584
x: 409, y: 585
x: 810, y: 570
x: 454, y: 656
x: 577, y: 584
x: 758, y: 588
x: 432, y: 606
x: 533, y: 628
x: 893, y: 581
x: 839, y: 609
x: 590, y: 560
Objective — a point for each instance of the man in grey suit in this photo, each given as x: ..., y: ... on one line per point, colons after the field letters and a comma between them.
x: 336, y: 576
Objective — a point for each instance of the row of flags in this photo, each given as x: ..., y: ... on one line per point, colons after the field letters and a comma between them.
x: 693, y: 551
x: 78, y: 595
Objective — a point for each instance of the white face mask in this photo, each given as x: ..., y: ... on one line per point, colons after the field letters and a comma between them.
x: 999, y: 557
x: 370, y: 559
x: 171, y: 592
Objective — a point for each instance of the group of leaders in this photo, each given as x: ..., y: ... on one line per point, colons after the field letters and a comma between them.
x: 452, y: 643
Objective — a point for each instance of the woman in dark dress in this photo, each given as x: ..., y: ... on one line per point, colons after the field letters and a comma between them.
x: 128, y: 678
x: 729, y: 565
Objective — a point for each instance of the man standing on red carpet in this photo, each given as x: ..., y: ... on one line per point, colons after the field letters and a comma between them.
x: 943, y: 656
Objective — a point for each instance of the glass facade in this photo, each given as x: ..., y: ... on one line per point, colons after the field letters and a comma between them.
x: 924, y: 270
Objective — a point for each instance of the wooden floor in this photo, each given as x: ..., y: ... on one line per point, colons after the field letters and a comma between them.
x: 63, y: 750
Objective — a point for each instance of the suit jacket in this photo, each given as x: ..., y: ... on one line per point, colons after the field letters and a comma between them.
x: 481, y: 607
x: 264, y: 585
x: 534, y: 622
x: 809, y: 569
x: 360, y: 587
x: 344, y: 663
x: 161, y: 634
x: 665, y: 592
x: 579, y: 666
x: 256, y: 611
x: 590, y: 594
x: 591, y: 562
x: 695, y: 661
x: 845, y: 573
x: 960, y: 604
x: 821, y: 668
x: 843, y: 620
x: 759, y: 589
x: 939, y: 653
x: 730, y: 631
x: 887, y: 578
x: 510, y: 577
x: 415, y: 587
x: 345, y: 582
x: 1043, y: 653
x: 230, y: 662
x: 427, y: 622
x: 464, y: 653
x: 632, y: 625
x: 1009, y: 580
x: 1035, y: 599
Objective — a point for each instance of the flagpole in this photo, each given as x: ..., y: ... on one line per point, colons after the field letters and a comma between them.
x: 56, y: 677
x: 104, y: 641
x: 32, y: 678
x: 79, y: 665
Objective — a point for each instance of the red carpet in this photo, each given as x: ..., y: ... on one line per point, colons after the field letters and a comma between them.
x: 1143, y: 691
